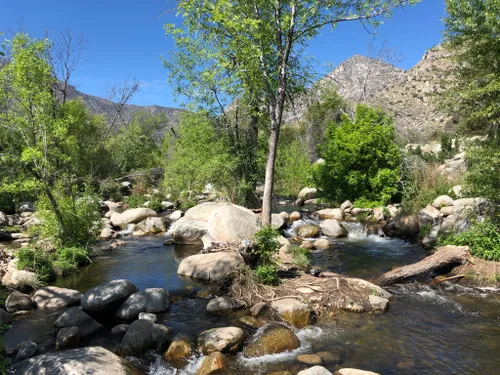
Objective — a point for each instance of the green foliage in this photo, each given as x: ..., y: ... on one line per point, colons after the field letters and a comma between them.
x: 301, y: 257
x: 267, y: 274
x: 472, y: 29
x: 135, y: 200
x: 111, y: 190
x: 425, y: 230
x: 483, y: 239
x: 36, y: 260
x: 361, y: 159
x: 266, y: 243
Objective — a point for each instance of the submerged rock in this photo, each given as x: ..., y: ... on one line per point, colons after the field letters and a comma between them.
x: 274, y: 339
x: 225, y: 340
x: 211, y: 266
x: 108, y: 296
x: 293, y: 311
x: 309, y: 359
x: 83, y: 361
x: 215, y: 363
x: 51, y: 297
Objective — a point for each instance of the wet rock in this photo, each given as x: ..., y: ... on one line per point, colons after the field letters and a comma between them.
x: 75, y: 317
x: 322, y: 244
x: 258, y: 309
x: 330, y: 213
x: 67, y: 338
x: 179, y: 350
x: 215, y: 363
x: 83, y: 361
x: 329, y: 358
x: 210, y: 267
x: 308, y: 193
x: 119, y: 329
x: 17, y: 301
x: 225, y: 340
x: 251, y: 322
x: 148, y: 316
x: 143, y: 335
x: 221, y: 305
x: 5, y: 317
x: 52, y: 297
x: 442, y: 201
x: 353, y: 371
x: 132, y: 216
x: 307, y: 231
x: 404, y: 226
x: 108, y: 296
x: 232, y: 224
x: 152, y: 225
x: 309, y: 359
x: 151, y: 300
x: 293, y: 311
x: 378, y: 303
x: 188, y: 232
x: 26, y: 350
x: 316, y: 370
x: 274, y: 339
x: 176, y: 215
x: 332, y: 228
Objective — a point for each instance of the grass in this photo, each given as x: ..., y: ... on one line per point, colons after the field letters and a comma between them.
x: 300, y: 257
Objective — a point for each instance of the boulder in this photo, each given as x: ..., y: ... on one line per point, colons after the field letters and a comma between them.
x: 19, y: 279
x: 180, y: 349
x: 67, y: 338
x: 210, y: 266
x: 258, y: 309
x: 221, y: 305
x: 17, y: 301
x: 108, y: 296
x: 274, y: 339
x: 131, y: 216
x: 148, y: 316
x: 447, y: 211
x: 52, y: 297
x: 293, y: 311
x: 332, y: 228
x: 151, y: 300
x: 176, y: 215
x: 346, y: 206
x: 251, y: 322
x: 5, y: 317
x: 26, y: 350
x: 353, y: 371
x: 203, y: 211
x: 119, y: 330
x: 75, y: 317
x: 309, y: 359
x: 404, y: 226
x: 442, y: 201
x: 378, y: 214
x: 215, y: 363
x: 322, y: 244
x: 378, y: 303
x: 308, y: 193
x: 188, y: 232
x: 330, y: 213
x: 278, y: 221
x: 316, y: 370
x: 83, y: 361
x: 143, y: 335
x: 448, y: 224
x: 307, y: 231
x: 393, y: 210
x: 152, y: 225
x: 232, y: 224
x: 358, y: 211
x: 107, y: 234
x: 464, y: 207
x: 225, y: 340
x: 329, y: 358
x: 431, y: 211
x: 295, y: 216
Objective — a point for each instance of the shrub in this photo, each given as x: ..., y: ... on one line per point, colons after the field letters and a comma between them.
x: 483, y: 239
x: 361, y: 158
x: 36, y: 260
x: 135, y: 200
x: 266, y: 244
x: 300, y: 257
x: 111, y: 190
x: 267, y: 274
x: 75, y: 255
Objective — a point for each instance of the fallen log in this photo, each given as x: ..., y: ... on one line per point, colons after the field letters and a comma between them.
x: 442, y: 279
x: 444, y: 256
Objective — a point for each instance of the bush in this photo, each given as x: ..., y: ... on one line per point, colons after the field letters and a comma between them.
x: 361, y: 159
x: 75, y: 255
x: 267, y: 274
x: 135, y: 200
x: 111, y: 190
x: 483, y: 239
x: 266, y: 244
x: 301, y: 257
x: 36, y: 260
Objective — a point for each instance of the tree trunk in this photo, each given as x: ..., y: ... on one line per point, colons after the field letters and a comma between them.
x: 444, y: 256
x: 269, y: 184
x: 55, y: 207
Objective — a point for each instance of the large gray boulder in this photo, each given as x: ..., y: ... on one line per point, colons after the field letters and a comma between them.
x: 224, y: 340
x: 185, y: 231
x: 52, y: 297
x: 203, y: 211
x: 83, y: 361
x: 308, y: 193
x: 17, y: 301
x: 232, y: 224
x: 332, y: 228
x: 108, y: 296
x: 151, y: 300
x: 132, y: 216
x: 143, y: 335
x: 211, y: 266
x: 75, y: 317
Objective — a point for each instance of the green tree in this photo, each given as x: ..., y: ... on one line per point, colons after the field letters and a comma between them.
x: 361, y: 159
x: 258, y: 45
x: 472, y: 34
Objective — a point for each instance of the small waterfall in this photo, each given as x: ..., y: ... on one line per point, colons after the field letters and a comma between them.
x: 291, y: 231
x: 356, y: 229
x: 128, y: 231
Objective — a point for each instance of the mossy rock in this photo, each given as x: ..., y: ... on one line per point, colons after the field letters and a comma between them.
x: 275, y: 339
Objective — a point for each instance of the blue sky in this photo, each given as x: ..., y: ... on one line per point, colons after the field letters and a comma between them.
x: 126, y: 39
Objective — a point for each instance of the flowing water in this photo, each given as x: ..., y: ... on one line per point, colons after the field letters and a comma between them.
x: 427, y: 330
